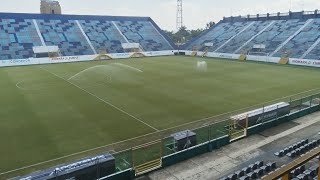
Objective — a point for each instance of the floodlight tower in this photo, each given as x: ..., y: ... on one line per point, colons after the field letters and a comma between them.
x: 179, y: 14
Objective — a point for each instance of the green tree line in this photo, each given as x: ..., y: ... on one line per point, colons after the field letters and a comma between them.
x: 183, y: 34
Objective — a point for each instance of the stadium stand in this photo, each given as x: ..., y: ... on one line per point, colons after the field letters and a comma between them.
x: 259, y: 169
x: 295, y: 34
x: 17, y: 37
x: 76, y: 34
x: 103, y: 35
x: 144, y: 33
x: 304, y: 40
x: 219, y: 35
x: 66, y: 35
x: 253, y: 171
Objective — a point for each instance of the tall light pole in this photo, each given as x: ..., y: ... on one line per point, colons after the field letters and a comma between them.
x: 179, y: 14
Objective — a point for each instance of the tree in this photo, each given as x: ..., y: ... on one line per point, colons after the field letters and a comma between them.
x: 183, y: 34
x: 210, y: 24
x: 170, y: 34
x: 195, y: 33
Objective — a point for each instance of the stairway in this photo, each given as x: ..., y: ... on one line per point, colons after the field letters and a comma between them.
x: 225, y: 43
x: 292, y: 36
x: 311, y: 48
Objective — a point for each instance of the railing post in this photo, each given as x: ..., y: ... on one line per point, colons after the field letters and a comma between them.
x: 319, y: 171
x: 262, y: 115
x: 301, y: 103
x: 209, y: 132
x: 161, y: 148
x: 132, y: 158
x: 277, y: 112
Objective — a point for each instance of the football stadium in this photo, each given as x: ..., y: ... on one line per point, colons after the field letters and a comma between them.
x: 116, y: 97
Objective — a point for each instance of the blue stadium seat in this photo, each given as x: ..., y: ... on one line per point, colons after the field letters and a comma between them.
x: 242, y: 38
x: 144, y: 33
x: 103, y: 35
x: 66, y: 35
x: 232, y: 37
x: 218, y: 35
x: 76, y: 34
x: 305, y: 39
x: 17, y: 37
x: 280, y: 31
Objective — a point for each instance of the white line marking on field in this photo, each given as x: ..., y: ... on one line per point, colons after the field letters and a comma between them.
x: 138, y: 137
x: 127, y: 66
x: 264, y: 103
x: 19, y: 87
x: 119, y: 109
x: 85, y: 71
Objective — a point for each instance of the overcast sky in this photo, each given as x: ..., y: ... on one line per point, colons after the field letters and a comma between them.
x: 196, y: 12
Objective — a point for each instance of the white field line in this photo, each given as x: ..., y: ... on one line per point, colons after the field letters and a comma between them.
x: 108, y: 81
x: 83, y: 71
x: 127, y: 66
x: 264, y: 103
x: 119, y: 64
x: 19, y: 87
x: 119, y: 142
x: 106, y: 102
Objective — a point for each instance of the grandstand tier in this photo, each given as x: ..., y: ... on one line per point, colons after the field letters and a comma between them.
x: 293, y: 34
x: 76, y: 34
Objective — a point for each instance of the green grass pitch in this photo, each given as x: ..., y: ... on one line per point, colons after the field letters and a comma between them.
x: 49, y: 111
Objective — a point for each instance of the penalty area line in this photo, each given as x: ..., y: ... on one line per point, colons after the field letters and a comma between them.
x: 127, y: 66
x: 106, y: 102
